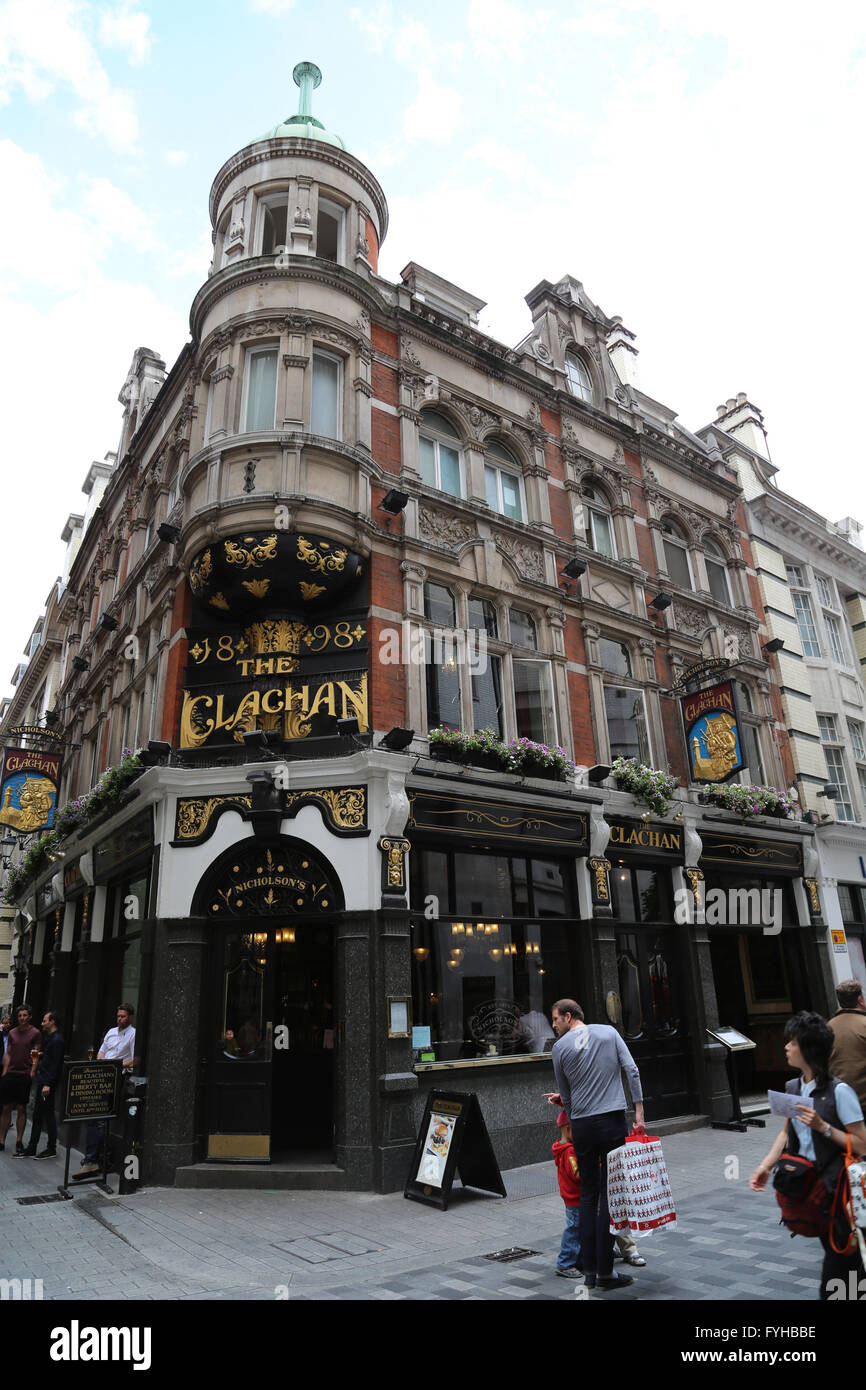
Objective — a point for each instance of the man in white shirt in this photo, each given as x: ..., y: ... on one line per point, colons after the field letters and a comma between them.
x: 118, y: 1045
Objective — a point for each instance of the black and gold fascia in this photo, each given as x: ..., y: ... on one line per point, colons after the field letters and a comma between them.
x: 273, y: 571
x: 479, y: 818
x: 344, y: 811
x: 770, y: 856
x: 814, y: 899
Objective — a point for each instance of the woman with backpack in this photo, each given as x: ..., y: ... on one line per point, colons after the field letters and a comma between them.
x: 812, y: 1147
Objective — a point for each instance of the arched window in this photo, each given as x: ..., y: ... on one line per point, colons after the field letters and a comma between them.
x: 677, y: 561
x: 717, y: 573
x: 441, y: 455
x: 597, y: 522
x: 503, y: 481
x: 579, y: 379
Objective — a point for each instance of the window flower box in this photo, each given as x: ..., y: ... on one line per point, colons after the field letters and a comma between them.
x: 648, y: 785
x: 749, y: 801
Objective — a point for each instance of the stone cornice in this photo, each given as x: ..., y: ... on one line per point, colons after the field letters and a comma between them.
x: 255, y: 270
x: 784, y: 515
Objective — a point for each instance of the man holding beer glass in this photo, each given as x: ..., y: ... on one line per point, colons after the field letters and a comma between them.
x: 19, y: 1066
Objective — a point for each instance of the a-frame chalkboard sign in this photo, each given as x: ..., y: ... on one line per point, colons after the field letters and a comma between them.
x: 453, y: 1138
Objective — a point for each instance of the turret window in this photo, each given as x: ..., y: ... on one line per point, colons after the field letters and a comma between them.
x: 261, y: 389
x: 329, y: 231
x: 274, y: 218
x: 326, y: 414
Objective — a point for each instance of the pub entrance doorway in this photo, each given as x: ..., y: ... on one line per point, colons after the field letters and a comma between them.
x: 270, y: 1031
x: 271, y: 1084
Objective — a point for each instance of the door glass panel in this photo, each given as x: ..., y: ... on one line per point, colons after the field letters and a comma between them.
x: 629, y: 986
x: 242, y: 1026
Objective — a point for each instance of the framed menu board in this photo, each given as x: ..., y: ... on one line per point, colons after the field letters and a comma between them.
x: 452, y: 1138
x: 91, y: 1091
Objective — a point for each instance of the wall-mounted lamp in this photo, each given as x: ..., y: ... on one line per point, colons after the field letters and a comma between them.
x: 155, y: 753
x: 392, y: 505
x: 829, y: 791
x: 257, y: 745
x: 108, y: 624
x: 168, y: 533
x: 80, y: 663
x: 774, y: 645
x: 660, y: 602
x: 596, y: 775
x: 397, y: 739
x: 574, y: 569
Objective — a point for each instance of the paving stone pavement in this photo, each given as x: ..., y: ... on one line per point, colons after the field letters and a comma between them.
x: 228, y: 1245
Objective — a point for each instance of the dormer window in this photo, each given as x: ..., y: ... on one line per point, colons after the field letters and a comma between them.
x: 579, y: 379
x: 329, y: 231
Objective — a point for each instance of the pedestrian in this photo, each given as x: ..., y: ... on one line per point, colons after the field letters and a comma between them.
x: 587, y: 1063
x: 848, y: 1026
x: 828, y: 1113
x: 118, y: 1045
x: 568, y: 1264
x: 5, y: 1025
x: 48, y: 1071
x: 19, y: 1064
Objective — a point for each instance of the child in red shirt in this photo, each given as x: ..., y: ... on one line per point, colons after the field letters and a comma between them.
x: 568, y: 1264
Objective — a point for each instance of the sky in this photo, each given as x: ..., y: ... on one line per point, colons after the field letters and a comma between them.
x: 698, y: 166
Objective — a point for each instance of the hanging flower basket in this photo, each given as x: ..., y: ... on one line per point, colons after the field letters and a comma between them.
x: 648, y: 785
x: 749, y: 801
x: 486, y: 750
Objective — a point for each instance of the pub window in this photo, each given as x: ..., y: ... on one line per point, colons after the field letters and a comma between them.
x: 597, y: 522
x: 614, y: 657
x: 523, y: 630
x: 503, y: 481
x: 487, y: 973
x: 753, y: 772
x: 482, y: 616
x: 534, y: 706
x: 443, y: 669
x: 487, y: 697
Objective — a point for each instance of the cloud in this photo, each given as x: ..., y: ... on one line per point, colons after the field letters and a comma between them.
x: 127, y: 29
x: 175, y: 157
x: 271, y: 7
x: 118, y: 216
x: 435, y: 114
x: 47, y: 45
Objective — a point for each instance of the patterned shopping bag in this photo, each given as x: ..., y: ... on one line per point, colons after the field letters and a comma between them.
x: 638, y: 1192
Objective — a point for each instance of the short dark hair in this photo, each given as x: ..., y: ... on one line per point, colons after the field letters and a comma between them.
x: 51, y: 1016
x: 569, y: 1006
x: 848, y: 992
x: 814, y: 1037
x: 23, y: 1008
x: 128, y: 1008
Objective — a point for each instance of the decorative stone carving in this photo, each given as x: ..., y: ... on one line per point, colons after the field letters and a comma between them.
x: 362, y: 322
x: 743, y: 638
x: 444, y: 528
x: 693, y: 621
x: 527, y: 559
x: 541, y: 350
x: 410, y: 355
x: 533, y: 414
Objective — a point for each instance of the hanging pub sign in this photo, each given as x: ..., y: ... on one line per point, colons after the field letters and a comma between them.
x: 453, y: 1138
x: 37, y: 731
x: 712, y: 731
x: 700, y: 670
x: 28, y: 789
x: 280, y: 638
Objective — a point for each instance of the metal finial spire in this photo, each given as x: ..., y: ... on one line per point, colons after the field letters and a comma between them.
x: 308, y: 77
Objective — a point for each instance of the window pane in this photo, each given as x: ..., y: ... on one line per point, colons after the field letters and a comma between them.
x: 432, y: 420
x: 718, y: 581
x: 523, y: 629
x: 439, y: 605
x: 626, y: 722
x: 482, y: 615
x: 578, y: 377
x: 827, y: 728
x: 511, y: 497
x: 490, y: 488
x: 262, y: 390
x: 806, y: 624
x: 834, y: 632
x: 602, y: 534
x: 614, y: 657
x: 449, y: 467
x: 752, y: 753
x: 857, y: 740
x: 487, y: 698
x: 533, y: 700
x: 325, y: 414
x: 836, y: 769
x: 428, y: 461
x: 443, y: 697
x: 677, y: 564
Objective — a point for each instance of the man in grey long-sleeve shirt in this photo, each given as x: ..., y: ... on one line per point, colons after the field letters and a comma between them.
x: 587, y: 1062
